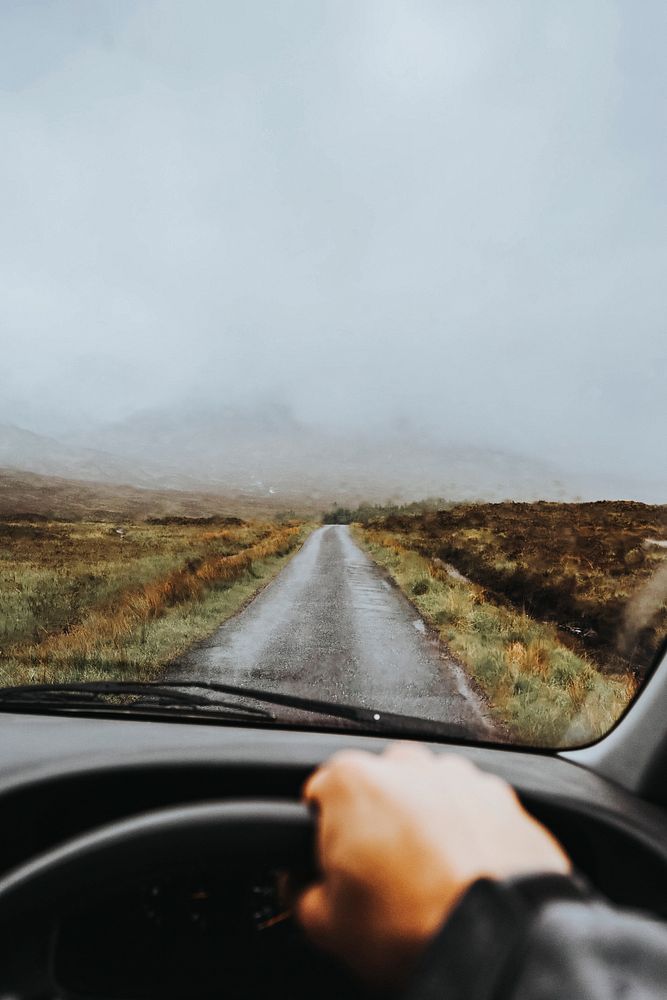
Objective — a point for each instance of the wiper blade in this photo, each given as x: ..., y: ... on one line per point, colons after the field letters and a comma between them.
x: 370, y: 718
x: 188, y: 695
x: 109, y: 696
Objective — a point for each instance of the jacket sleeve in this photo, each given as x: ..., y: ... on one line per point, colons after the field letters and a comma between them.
x: 542, y: 938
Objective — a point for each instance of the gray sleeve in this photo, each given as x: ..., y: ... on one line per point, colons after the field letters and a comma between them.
x: 542, y: 938
x: 591, y: 951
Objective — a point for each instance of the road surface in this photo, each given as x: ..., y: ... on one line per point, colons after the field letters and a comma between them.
x: 331, y: 626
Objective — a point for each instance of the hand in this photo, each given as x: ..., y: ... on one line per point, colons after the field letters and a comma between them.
x: 401, y: 837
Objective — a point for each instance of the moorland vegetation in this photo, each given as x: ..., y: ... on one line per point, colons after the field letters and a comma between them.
x: 103, y: 600
x: 556, y: 610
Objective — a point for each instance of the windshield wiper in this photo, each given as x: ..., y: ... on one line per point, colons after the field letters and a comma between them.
x: 187, y: 695
x: 146, y: 698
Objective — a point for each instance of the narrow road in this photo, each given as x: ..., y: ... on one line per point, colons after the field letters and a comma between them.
x: 331, y: 626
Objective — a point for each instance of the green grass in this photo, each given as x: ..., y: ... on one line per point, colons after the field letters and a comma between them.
x: 143, y: 654
x: 541, y: 692
x: 52, y: 574
x: 175, y: 587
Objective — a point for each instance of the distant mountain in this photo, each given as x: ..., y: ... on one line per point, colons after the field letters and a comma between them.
x: 39, y: 453
x: 45, y: 455
x: 268, y: 453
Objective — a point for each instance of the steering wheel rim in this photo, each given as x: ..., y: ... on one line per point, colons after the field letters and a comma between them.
x: 248, y: 830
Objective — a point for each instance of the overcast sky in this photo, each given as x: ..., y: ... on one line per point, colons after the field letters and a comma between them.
x: 451, y: 213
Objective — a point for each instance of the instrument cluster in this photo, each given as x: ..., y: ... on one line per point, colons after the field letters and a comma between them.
x: 183, y: 935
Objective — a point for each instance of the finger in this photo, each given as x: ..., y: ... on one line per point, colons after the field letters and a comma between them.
x: 314, y: 913
x: 456, y: 763
x: 336, y: 773
x: 409, y: 752
x: 312, y: 787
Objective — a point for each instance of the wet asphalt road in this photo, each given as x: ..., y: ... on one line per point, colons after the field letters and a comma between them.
x: 331, y: 626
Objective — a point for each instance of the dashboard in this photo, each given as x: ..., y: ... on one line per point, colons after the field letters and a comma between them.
x: 194, y: 929
x: 192, y: 933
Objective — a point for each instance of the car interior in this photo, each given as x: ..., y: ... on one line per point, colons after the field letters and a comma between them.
x: 156, y: 859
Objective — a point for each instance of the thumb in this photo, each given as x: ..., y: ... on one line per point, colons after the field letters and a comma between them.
x: 314, y: 913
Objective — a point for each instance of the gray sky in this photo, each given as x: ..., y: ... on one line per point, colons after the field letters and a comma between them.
x: 447, y: 212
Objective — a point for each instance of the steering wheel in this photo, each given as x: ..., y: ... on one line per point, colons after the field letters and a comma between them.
x: 218, y: 833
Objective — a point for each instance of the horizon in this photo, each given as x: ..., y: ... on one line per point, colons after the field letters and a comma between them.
x: 305, y: 465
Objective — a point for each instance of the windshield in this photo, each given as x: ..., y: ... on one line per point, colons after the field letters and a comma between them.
x: 333, y: 357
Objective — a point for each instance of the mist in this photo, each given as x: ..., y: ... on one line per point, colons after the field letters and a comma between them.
x: 439, y: 221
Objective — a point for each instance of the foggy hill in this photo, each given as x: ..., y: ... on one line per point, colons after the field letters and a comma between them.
x: 268, y: 453
x: 40, y: 453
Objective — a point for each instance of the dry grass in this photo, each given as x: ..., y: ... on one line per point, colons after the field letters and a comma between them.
x: 79, y: 600
x: 593, y: 569
x: 53, y: 497
x: 543, y: 693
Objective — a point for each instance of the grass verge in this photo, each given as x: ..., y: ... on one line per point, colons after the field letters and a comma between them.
x: 148, y: 624
x: 596, y: 570
x: 541, y: 691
